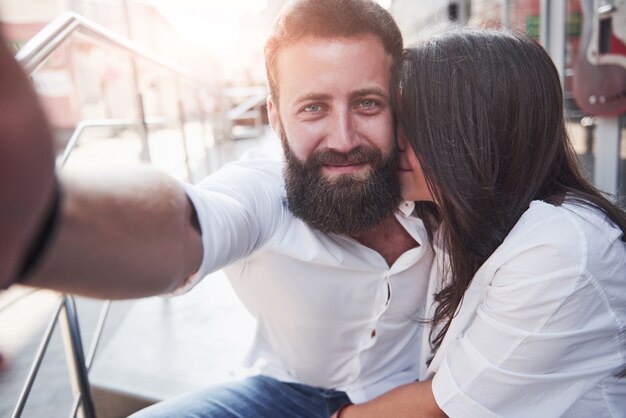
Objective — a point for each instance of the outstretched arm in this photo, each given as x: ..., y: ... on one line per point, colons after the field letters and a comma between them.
x: 130, y: 233
x: 121, y: 233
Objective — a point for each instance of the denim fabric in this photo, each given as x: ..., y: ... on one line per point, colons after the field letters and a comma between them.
x: 254, y: 397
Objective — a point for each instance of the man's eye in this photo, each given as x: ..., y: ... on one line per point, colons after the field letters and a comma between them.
x: 368, y: 104
x: 312, y: 108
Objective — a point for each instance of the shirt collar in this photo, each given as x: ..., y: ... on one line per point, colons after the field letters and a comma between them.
x: 407, y: 207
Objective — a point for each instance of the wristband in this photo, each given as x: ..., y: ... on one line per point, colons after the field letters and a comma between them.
x: 43, y: 238
x: 343, y: 408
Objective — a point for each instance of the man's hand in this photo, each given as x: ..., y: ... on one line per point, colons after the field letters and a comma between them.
x: 26, y: 165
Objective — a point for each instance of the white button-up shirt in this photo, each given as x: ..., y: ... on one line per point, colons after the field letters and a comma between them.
x: 542, y: 328
x: 330, y: 312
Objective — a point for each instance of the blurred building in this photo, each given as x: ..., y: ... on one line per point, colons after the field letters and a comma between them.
x: 85, y: 80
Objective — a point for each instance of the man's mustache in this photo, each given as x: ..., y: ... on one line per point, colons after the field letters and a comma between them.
x: 359, y: 155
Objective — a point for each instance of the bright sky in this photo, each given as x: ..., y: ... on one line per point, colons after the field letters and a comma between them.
x: 219, y: 27
x: 208, y: 21
x: 239, y: 6
x: 231, y: 5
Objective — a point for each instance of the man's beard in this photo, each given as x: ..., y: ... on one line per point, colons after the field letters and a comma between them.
x: 349, y: 204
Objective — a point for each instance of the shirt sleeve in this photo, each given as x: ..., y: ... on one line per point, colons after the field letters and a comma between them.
x: 239, y: 209
x: 543, y: 335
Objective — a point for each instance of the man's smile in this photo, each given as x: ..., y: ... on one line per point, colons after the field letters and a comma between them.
x: 344, y: 168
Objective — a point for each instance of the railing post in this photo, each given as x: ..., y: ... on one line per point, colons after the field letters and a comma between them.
x: 43, y: 346
x: 181, y: 124
x: 202, y: 117
x: 506, y: 5
x: 145, y: 148
x: 183, y: 134
x: 76, y: 357
x: 607, y: 149
x: 143, y: 130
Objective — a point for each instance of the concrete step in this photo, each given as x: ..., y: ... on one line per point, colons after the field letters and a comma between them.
x: 165, y: 347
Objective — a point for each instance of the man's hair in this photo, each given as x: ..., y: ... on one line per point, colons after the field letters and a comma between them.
x: 301, y: 19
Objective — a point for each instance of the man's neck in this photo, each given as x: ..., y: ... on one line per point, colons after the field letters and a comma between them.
x: 389, y: 239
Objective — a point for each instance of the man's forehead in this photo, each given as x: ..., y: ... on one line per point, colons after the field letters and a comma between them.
x: 312, y: 41
x: 315, y: 65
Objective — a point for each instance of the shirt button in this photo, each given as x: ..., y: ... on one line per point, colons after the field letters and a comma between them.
x: 373, y: 333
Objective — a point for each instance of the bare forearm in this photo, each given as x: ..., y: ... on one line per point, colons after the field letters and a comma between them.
x: 414, y: 400
x: 123, y: 233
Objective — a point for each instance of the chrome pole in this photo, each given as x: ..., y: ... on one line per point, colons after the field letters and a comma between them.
x: 32, y: 374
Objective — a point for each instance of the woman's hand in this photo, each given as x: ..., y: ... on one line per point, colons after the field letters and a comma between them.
x: 414, y: 400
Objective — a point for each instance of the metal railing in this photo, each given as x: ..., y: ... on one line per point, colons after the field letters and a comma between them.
x: 250, y: 110
x: 34, y: 53
x: 50, y: 38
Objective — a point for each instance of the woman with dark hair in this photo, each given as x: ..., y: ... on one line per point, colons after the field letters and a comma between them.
x: 529, y: 309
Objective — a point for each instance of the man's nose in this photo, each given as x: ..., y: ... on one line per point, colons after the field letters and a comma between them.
x: 342, y: 136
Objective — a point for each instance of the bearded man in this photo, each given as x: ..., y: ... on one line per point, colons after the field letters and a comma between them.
x: 320, y: 248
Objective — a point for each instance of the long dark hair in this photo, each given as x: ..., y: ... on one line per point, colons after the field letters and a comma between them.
x: 483, y: 111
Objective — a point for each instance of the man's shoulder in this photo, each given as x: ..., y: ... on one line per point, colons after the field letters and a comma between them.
x: 257, y: 160
x: 256, y: 170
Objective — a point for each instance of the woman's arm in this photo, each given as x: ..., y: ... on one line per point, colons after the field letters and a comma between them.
x: 414, y: 400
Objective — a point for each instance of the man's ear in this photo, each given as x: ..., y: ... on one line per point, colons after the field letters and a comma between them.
x: 272, y: 114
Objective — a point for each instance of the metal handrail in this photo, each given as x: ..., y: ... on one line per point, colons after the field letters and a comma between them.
x: 107, y: 123
x: 34, y: 53
x: 75, y: 353
x: 243, y: 108
x: 39, y: 48
x: 67, y: 308
x: 249, y: 109
x: 104, y: 312
x: 34, y: 369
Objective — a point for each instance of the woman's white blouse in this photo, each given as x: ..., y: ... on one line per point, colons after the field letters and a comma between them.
x: 542, y: 328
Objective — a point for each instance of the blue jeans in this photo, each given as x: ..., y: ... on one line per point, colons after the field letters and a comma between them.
x: 254, y: 397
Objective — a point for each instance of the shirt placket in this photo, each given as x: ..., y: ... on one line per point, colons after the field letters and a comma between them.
x: 381, y: 303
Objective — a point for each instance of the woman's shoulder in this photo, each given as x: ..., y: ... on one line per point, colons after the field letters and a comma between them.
x: 568, y: 221
x: 573, y: 236
x: 561, y: 224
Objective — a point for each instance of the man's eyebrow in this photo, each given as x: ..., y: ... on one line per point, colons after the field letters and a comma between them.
x: 376, y: 91
x: 312, y: 96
